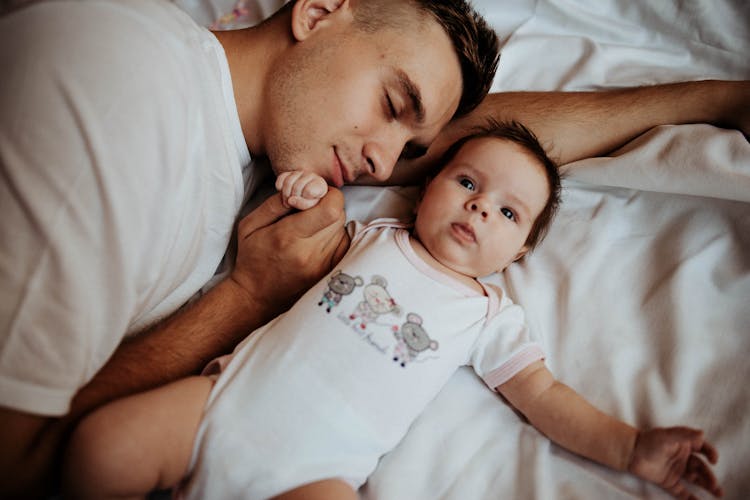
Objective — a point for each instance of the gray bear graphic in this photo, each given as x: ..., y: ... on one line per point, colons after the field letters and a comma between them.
x: 339, y: 284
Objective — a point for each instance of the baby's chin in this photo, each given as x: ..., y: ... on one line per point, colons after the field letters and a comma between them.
x: 464, y: 269
x: 478, y: 272
x: 464, y: 263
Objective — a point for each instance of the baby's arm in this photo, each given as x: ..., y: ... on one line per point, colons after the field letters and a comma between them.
x: 666, y: 456
x: 301, y: 190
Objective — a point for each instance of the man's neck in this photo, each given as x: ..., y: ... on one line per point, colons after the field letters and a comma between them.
x: 250, y: 54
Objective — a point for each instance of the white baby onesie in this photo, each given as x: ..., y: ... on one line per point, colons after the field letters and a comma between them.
x: 326, y: 389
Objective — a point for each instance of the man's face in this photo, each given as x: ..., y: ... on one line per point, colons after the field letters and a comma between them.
x: 476, y: 214
x: 346, y: 103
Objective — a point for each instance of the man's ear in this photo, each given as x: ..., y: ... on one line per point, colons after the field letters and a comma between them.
x: 308, y: 15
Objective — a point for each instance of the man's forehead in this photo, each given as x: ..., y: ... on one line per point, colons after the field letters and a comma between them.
x: 432, y: 94
x: 427, y: 72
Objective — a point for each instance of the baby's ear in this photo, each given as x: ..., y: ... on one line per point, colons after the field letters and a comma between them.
x: 523, y: 251
x: 309, y: 15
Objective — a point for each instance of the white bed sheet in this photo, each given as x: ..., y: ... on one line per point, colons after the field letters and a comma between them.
x: 641, y: 291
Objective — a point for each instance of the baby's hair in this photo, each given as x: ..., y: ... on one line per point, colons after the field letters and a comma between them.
x: 517, y: 133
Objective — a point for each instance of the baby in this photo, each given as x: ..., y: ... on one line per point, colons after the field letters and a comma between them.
x: 307, y: 404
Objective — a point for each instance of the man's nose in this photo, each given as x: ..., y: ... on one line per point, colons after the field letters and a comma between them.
x: 380, y: 156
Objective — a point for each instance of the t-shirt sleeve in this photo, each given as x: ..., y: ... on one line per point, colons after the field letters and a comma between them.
x: 505, y: 347
x: 70, y: 237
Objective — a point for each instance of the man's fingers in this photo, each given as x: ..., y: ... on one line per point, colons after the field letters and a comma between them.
x: 268, y: 212
x: 328, y: 212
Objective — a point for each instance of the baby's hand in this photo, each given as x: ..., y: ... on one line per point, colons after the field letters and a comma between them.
x: 301, y: 190
x: 669, y: 456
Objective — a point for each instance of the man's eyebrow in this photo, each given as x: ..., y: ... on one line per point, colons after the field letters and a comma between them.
x: 413, y: 93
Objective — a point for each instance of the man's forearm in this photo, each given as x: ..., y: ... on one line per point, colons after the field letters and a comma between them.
x: 175, y: 348
x: 179, y: 346
x: 278, y: 257
x: 577, y: 125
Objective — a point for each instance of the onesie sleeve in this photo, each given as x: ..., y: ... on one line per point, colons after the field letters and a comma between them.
x: 354, y: 229
x: 505, y: 347
x: 357, y: 229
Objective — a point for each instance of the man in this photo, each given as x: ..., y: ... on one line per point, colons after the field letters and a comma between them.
x: 124, y: 150
x: 123, y: 142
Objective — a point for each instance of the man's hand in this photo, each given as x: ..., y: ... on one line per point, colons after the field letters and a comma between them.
x: 301, y: 190
x: 281, y: 255
x: 670, y: 457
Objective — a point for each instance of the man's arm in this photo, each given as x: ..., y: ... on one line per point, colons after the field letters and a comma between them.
x: 668, y: 457
x: 577, y: 125
x: 181, y: 345
x: 277, y: 259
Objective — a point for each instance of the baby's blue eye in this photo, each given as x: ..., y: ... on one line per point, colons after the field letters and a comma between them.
x: 467, y: 183
x: 508, y: 213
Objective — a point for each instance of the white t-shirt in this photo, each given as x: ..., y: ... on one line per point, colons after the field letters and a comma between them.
x: 330, y: 386
x: 122, y: 173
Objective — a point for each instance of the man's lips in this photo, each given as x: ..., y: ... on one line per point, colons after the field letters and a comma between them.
x: 464, y: 232
x: 338, y: 171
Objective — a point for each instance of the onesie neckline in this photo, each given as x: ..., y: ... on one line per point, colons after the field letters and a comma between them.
x: 404, y: 243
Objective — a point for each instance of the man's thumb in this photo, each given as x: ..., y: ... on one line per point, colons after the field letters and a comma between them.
x: 267, y: 213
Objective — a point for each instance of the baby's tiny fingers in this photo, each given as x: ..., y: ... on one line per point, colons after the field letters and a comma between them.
x: 315, y: 188
x: 710, y: 452
x: 701, y: 475
x: 301, y: 203
x: 291, y: 185
x: 678, y: 491
x: 284, y: 179
x: 280, y: 180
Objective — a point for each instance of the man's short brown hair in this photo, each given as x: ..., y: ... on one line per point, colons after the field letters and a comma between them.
x: 475, y: 43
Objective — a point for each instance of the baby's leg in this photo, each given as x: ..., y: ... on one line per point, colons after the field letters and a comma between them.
x: 328, y: 489
x: 136, y: 444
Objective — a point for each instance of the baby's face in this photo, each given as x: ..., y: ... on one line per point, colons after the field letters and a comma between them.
x: 476, y: 214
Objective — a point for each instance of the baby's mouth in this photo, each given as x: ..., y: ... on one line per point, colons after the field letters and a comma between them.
x: 464, y: 232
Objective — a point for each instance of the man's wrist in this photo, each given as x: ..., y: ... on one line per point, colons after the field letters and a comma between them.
x: 244, y: 302
x: 631, y: 444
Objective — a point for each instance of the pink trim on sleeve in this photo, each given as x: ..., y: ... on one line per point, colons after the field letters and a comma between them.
x: 522, y: 359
